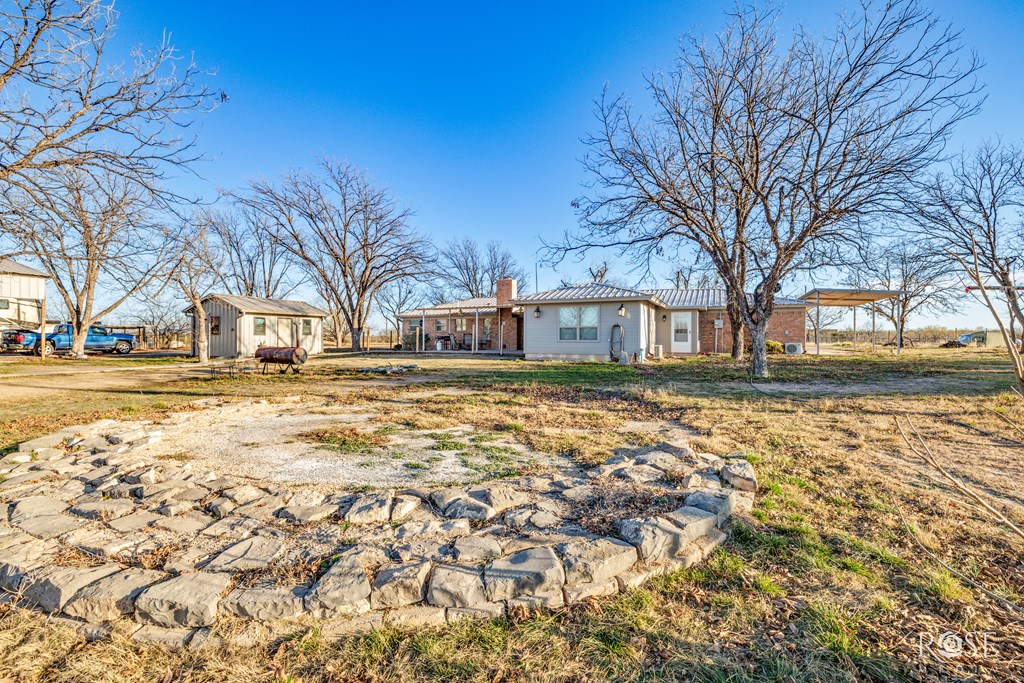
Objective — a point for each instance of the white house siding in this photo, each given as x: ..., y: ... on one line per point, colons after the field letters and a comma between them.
x: 540, y: 337
x: 663, y: 328
x: 22, y: 294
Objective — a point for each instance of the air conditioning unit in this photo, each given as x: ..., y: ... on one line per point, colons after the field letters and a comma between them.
x: 659, y: 351
x: 794, y: 347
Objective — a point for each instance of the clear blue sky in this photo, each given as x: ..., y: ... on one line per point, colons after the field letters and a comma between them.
x: 471, y: 112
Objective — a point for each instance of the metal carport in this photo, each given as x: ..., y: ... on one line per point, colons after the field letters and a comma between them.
x: 851, y: 298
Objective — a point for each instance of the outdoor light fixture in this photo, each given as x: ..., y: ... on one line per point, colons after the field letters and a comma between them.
x: 622, y: 310
x: 536, y: 312
x: 664, y: 317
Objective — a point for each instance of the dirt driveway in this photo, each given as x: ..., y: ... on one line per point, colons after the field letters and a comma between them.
x: 28, y: 385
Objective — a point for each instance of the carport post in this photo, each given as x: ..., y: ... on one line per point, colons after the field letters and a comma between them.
x: 873, y: 311
x: 855, y: 328
x: 817, y: 325
x: 42, y: 329
x: 899, y: 326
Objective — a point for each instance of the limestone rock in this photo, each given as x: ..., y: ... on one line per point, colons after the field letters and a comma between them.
x: 415, y: 617
x: 264, y: 604
x: 110, y: 508
x: 739, y: 473
x: 527, y: 572
x: 112, y: 596
x: 256, y: 552
x: 693, y: 522
x: 574, y: 594
x: 305, y: 514
x: 654, y: 537
x: 49, y: 588
x: 595, y: 560
x: 370, y: 508
x: 344, y: 589
x: 719, y: 501
x: 476, y: 548
x: 186, y: 600
x: 401, y: 585
x: 456, y: 586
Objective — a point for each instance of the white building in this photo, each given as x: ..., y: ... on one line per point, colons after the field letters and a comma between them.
x: 238, y: 325
x: 22, y: 291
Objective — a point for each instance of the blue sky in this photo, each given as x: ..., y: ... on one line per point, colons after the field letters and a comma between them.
x: 471, y: 113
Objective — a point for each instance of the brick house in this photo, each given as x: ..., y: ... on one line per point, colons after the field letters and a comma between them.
x: 486, y: 324
x: 596, y: 321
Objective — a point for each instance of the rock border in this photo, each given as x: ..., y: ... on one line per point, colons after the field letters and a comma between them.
x: 420, y: 558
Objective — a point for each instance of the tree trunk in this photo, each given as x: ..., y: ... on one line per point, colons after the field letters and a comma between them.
x: 202, y: 337
x: 759, y: 352
x: 78, y: 340
x: 735, y: 328
x: 357, y: 338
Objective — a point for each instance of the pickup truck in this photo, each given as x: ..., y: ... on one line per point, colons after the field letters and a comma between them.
x: 99, y: 338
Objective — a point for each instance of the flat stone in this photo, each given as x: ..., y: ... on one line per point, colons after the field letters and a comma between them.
x: 517, y: 519
x: 188, y: 524
x: 36, y: 506
x: 343, y: 589
x: 331, y: 629
x: 581, y: 493
x: 456, y: 586
x: 407, y: 618
x: 50, y: 526
x: 174, y: 638
x: 256, y: 552
x: 370, y: 508
x: 640, y: 474
x: 500, y: 497
x: 174, y: 507
x: 263, y: 509
x: 400, y: 586
x: 527, y: 572
x: 692, y: 521
x: 720, y: 502
x: 265, y: 604
x: 482, y: 612
x: 739, y: 473
x: 635, y: 578
x: 110, y: 508
x: 18, y: 560
x: 185, y: 600
x: 39, y: 443
x: 469, y: 508
x: 232, y: 527
x: 655, y: 538
x: 136, y: 521
x: 49, y: 589
x: 112, y: 596
x: 476, y: 548
x: 403, y: 506
x: 595, y: 560
x: 544, y: 520
x: 245, y: 493
x: 414, y: 530
x: 220, y: 507
x: 305, y: 514
x: 585, y: 591
x: 532, y: 603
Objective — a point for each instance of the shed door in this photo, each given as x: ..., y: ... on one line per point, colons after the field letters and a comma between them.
x: 682, y: 333
x: 285, y: 332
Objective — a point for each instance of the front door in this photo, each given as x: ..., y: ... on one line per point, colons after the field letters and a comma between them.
x: 285, y: 336
x: 682, y: 334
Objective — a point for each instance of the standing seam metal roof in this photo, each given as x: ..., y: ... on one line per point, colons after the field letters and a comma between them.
x: 669, y: 298
x: 9, y: 266
x: 253, y: 304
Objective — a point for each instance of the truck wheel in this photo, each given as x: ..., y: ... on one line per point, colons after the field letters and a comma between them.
x: 49, y: 349
x: 122, y: 347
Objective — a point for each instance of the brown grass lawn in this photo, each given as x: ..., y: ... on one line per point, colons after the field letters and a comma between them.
x: 827, y: 580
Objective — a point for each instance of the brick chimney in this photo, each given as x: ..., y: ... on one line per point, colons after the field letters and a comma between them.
x: 505, y: 291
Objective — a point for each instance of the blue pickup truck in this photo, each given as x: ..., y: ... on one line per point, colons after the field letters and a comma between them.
x: 99, y: 338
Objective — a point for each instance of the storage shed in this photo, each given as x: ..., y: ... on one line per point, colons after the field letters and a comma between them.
x: 22, y: 291
x: 238, y: 325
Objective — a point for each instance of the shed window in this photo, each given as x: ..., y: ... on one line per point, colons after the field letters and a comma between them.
x: 5, y: 304
x: 307, y: 326
x: 259, y: 327
x: 214, y: 325
x: 577, y: 323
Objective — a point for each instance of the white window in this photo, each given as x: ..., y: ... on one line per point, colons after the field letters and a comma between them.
x: 681, y: 329
x: 440, y: 325
x: 460, y: 324
x: 577, y: 323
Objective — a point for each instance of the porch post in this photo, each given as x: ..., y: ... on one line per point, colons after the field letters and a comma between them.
x: 899, y: 326
x: 855, y: 328
x: 873, y: 311
x: 423, y: 332
x: 817, y: 325
x: 476, y: 330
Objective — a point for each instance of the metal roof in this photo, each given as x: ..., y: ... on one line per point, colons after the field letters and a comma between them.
x: 594, y: 290
x: 848, y: 297
x: 665, y: 298
x: 253, y: 304
x: 9, y: 266
x: 480, y: 304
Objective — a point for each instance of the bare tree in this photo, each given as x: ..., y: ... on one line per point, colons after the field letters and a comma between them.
x: 162, y: 314
x: 65, y: 103
x: 467, y: 269
x: 254, y: 263
x: 915, y: 270
x: 825, y: 316
x: 973, y: 211
x: 97, y: 238
x: 769, y: 160
x: 349, y: 235
x: 398, y: 297
x: 599, y: 272
x: 196, y: 272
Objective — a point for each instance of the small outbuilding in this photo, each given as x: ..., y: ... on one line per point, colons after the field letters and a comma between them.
x: 22, y: 295
x: 238, y: 325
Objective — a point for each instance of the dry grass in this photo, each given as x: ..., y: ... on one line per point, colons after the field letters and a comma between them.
x: 823, y: 582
